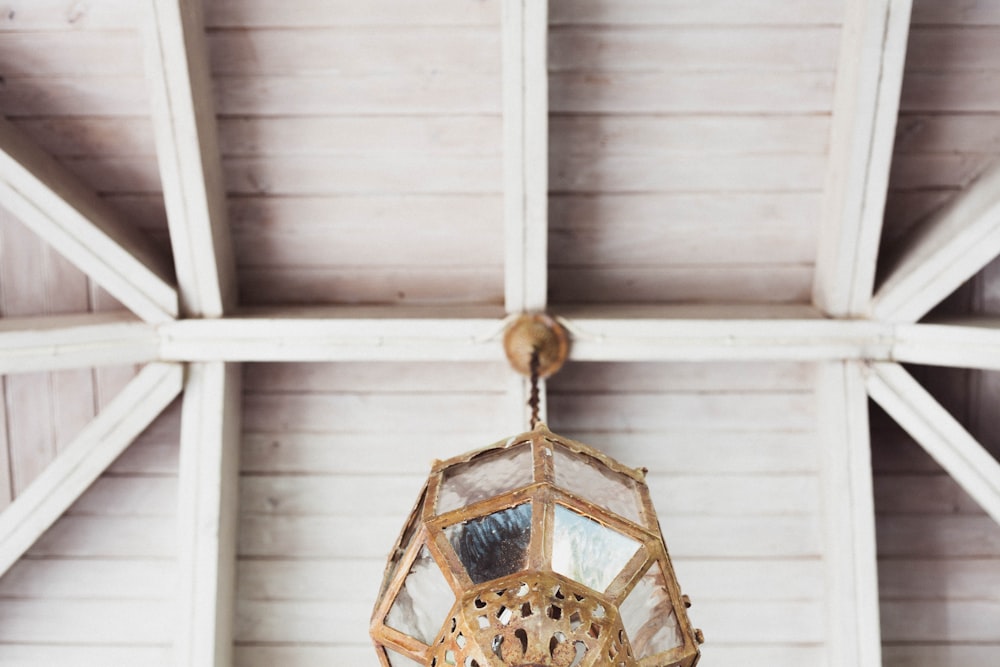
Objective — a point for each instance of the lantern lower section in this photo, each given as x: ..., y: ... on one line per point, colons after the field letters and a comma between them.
x: 537, y: 551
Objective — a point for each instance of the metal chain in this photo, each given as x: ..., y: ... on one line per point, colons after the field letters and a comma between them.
x: 535, y: 399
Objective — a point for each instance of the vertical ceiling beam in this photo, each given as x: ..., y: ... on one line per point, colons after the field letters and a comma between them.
x: 947, y: 249
x: 82, y: 462
x: 869, y: 82
x: 179, y: 76
x: 71, y: 218
x: 938, y: 432
x: 526, y: 172
x: 207, y: 515
x: 849, y: 514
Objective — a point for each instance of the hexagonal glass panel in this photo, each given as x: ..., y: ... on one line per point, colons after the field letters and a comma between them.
x: 588, y: 552
x: 404, y: 540
x: 398, y: 660
x: 648, y: 616
x: 487, y: 475
x: 494, y: 545
x: 588, y: 478
x: 423, y: 603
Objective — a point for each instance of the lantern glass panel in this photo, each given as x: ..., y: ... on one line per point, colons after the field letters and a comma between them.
x: 648, y: 616
x: 423, y: 602
x: 588, y: 478
x: 486, y: 476
x: 587, y: 552
x: 494, y: 545
x: 397, y: 660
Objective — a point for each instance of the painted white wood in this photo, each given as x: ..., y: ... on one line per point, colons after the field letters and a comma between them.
x: 972, y: 342
x: 83, y: 228
x: 946, y: 250
x: 869, y: 81
x: 938, y: 432
x: 31, y: 344
x: 190, y: 162
x: 849, y: 517
x: 207, y: 514
x: 63, y: 481
x: 526, y: 151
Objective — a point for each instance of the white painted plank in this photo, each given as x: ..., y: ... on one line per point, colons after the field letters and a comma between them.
x: 869, y: 81
x: 63, y: 481
x: 84, y: 655
x: 320, y: 13
x: 84, y: 621
x: 600, y: 333
x: 939, y: 537
x: 74, y: 341
x: 937, y: 432
x: 34, y: 15
x: 950, y: 247
x: 207, y: 515
x: 969, y: 655
x: 89, y: 579
x: 947, y: 621
x: 959, y: 342
x: 108, y: 537
x: 526, y: 139
x: 687, y: 12
x: 849, y: 517
x: 36, y: 189
x: 190, y: 162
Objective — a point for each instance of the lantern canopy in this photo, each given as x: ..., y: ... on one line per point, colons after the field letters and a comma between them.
x: 536, y: 551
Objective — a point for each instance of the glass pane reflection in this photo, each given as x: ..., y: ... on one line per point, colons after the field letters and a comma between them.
x: 648, y: 616
x: 397, y: 660
x: 494, y: 545
x: 486, y: 476
x: 423, y: 602
x: 588, y: 552
x: 587, y: 478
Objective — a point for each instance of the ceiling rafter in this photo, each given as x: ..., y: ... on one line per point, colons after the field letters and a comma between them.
x: 526, y: 175
x: 869, y: 82
x: 84, y: 459
x: 947, y: 249
x: 69, y: 216
x: 938, y: 432
x: 184, y: 122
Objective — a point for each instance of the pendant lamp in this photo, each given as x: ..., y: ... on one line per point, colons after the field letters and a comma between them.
x: 535, y: 551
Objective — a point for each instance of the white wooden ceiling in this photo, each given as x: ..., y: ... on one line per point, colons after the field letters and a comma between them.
x: 345, y: 200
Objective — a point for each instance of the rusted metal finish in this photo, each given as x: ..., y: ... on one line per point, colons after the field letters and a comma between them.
x: 531, y: 612
x: 531, y: 334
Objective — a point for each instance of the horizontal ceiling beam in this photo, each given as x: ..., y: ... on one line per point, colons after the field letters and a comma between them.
x: 31, y: 344
x: 84, y: 229
x: 969, y: 342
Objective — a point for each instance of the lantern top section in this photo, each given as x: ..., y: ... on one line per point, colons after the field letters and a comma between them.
x: 534, y: 535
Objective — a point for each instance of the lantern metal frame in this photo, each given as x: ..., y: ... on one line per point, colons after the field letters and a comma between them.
x: 426, y: 528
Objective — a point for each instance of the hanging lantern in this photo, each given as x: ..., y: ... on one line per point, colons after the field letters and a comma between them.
x: 536, y: 551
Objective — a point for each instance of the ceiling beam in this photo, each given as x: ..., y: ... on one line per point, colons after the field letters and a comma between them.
x: 84, y: 459
x: 32, y: 344
x: 970, y: 342
x: 849, y: 514
x: 179, y: 76
x: 526, y: 154
x: 947, y: 249
x: 70, y: 217
x: 208, y: 514
x: 938, y: 432
x: 869, y: 82
x: 600, y: 333
x: 526, y: 175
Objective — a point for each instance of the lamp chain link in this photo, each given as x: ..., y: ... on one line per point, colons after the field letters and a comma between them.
x: 535, y: 399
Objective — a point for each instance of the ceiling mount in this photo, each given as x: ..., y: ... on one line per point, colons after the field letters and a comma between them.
x: 536, y: 333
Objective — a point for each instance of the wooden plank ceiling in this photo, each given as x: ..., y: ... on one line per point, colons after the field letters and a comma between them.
x: 719, y: 163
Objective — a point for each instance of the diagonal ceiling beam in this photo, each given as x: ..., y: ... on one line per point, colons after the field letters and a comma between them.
x: 32, y: 344
x: 869, y: 81
x: 208, y: 514
x: 83, y: 460
x: 179, y: 76
x: 849, y: 513
x: 947, y: 249
x: 526, y: 176
x: 938, y: 432
x: 51, y: 201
